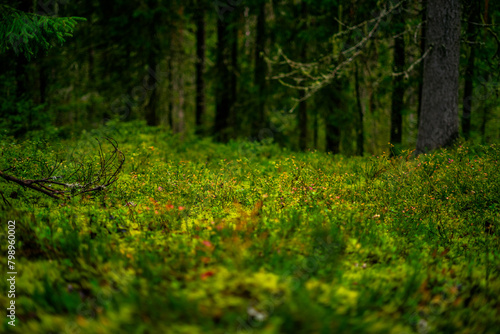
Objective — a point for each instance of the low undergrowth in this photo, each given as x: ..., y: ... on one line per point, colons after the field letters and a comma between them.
x: 197, y: 237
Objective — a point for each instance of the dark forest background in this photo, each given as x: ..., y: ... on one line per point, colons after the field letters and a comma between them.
x: 246, y: 69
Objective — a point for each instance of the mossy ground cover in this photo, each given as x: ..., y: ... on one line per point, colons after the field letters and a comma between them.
x: 198, y: 237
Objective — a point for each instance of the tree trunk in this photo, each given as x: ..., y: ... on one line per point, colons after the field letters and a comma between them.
x: 398, y: 88
x: 439, y: 116
x: 200, y: 68
x: 222, y: 90
x: 260, y: 71
x: 170, y: 78
x: 422, y: 51
x: 234, y: 124
x: 153, y: 56
x: 302, y: 117
x: 469, y: 71
x: 315, y: 129
x: 179, y: 79
x: 361, y: 132
x: 335, y: 108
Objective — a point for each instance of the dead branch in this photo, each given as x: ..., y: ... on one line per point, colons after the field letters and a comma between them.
x: 83, y: 180
x: 311, y: 77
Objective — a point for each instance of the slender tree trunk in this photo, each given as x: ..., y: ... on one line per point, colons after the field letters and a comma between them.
x: 335, y: 105
x: 469, y: 71
x: 179, y: 106
x: 223, y: 82
x: 42, y: 80
x: 484, y: 121
x: 302, y: 119
x: 439, y: 117
x: 170, y: 78
x: 398, y: 87
x: 315, y: 129
x: 361, y: 132
x: 260, y: 70
x: 21, y: 61
x: 179, y: 79
x: 234, y: 123
x: 200, y: 68
x: 422, y: 51
x: 302, y: 116
x: 152, y: 118
x: 332, y: 134
x: 335, y: 108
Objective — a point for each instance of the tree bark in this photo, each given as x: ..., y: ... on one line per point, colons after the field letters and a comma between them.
x: 361, y: 132
x: 223, y: 89
x: 302, y: 119
x: 302, y: 116
x: 398, y: 87
x: 422, y: 51
x: 200, y: 68
x: 439, y: 116
x: 170, y: 78
x: 335, y: 108
x: 152, y: 118
x: 260, y: 70
x: 469, y: 71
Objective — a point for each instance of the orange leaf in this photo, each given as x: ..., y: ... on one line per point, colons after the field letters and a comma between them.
x: 207, y: 274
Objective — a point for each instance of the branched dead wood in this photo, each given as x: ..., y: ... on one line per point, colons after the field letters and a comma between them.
x: 84, y: 179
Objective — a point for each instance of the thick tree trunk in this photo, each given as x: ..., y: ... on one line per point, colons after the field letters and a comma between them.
x: 200, y: 69
x: 469, y: 71
x: 260, y: 71
x: 398, y: 87
x: 422, y: 51
x: 439, y: 116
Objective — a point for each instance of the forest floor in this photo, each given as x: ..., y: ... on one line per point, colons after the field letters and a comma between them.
x: 197, y: 237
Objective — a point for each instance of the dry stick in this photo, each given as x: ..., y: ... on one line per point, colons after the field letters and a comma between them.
x: 39, y: 185
x: 27, y: 184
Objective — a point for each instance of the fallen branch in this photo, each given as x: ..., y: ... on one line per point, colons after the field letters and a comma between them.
x: 86, y: 179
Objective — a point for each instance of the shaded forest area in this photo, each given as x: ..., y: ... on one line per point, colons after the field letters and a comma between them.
x: 333, y: 75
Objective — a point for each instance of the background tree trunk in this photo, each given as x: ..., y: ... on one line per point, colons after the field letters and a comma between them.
x: 398, y: 87
x: 439, y: 117
x: 225, y: 94
x: 335, y: 108
x: 200, y: 68
x: 473, y: 17
x: 360, y: 130
x: 153, y: 56
x: 422, y: 51
x: 302, y: 112
x: 260, y: 70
